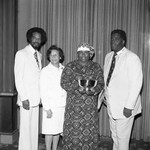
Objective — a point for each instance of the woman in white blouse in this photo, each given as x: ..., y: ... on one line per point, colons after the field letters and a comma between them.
x: 53, y: 97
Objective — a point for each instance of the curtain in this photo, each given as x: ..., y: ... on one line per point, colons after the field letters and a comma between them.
x: 69, y: 22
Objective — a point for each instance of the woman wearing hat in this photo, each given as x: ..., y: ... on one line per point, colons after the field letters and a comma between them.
x: 83, y: 80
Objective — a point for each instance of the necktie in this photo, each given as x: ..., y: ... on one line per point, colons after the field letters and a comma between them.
x: 36, y: 58
x: 111, y: 68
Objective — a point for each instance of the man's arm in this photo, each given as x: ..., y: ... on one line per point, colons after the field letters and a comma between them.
x: 135, y: 77
x: 19, y: 75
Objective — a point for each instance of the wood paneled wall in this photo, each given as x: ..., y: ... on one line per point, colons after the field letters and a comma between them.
x: 8, y: 45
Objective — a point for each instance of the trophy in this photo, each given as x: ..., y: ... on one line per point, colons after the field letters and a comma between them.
x: 86, y: 85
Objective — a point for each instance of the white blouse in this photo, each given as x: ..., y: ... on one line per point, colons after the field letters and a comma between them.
x: 52, y: 94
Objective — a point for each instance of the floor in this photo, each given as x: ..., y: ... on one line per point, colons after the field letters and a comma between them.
x: 105, y: 144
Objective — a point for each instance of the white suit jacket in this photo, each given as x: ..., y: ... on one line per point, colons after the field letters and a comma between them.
x: 27, y: 76
x: 125, y: 83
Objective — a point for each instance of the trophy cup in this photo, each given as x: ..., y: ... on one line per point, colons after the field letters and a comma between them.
x: 90, y: 86
x: 91, y: 83
x: 83, y: 84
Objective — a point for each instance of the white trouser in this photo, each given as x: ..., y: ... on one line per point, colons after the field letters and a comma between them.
x: 121, y: 131
x: 28, y: 138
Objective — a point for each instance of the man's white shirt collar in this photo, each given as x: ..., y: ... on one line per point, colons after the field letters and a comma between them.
x: 120, y: 52
x: 32, y: 49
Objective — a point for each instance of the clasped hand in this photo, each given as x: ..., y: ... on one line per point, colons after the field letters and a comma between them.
x: 26, y: 104
x: 127, y: 112
x: 85, y: 90
x: 49, y: 113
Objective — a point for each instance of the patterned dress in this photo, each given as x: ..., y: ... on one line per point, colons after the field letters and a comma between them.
x: 80, y: 131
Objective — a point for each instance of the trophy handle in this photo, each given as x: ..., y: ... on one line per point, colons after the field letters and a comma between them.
x: 87, y: 82
x: 95, y: 83
x: 79, y: 83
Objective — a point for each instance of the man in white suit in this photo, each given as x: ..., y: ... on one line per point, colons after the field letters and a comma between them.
x: 27, y: 76
x: 122, y: 89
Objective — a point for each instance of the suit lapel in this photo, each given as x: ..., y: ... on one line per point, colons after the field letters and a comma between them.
x: 108, y: 64
x: 31, y: 58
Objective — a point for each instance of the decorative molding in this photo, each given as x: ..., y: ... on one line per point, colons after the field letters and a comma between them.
x: 8, y: 94
x: 9, y: 138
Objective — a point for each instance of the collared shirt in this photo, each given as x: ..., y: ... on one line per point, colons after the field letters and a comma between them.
x: 119, y: 53
x: 32, y: 49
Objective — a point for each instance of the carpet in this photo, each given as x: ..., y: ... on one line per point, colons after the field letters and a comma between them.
x: 105, y: 143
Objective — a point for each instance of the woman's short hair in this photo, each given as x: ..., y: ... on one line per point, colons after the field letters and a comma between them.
x: 38, y: 30
x: 60, y: 51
